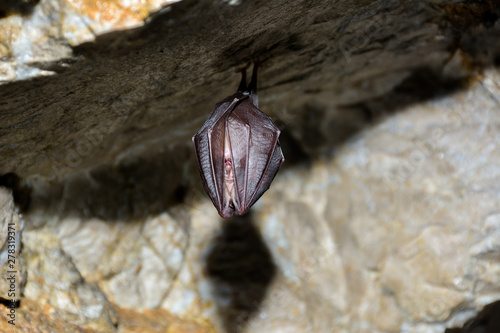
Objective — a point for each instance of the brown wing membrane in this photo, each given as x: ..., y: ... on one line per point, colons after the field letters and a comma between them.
x: 239, y: 140
x: 216, y: 135
x: 272, y: 169
x: 208, y: 149
x: 257, y: 156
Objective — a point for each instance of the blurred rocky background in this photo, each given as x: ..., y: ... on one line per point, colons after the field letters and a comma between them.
x: 384, y: 218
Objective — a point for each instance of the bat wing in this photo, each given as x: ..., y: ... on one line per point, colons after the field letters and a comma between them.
x: 256, y: 153
x: 209, y: 149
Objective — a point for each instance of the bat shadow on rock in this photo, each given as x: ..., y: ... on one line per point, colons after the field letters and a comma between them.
x: 240, y: 269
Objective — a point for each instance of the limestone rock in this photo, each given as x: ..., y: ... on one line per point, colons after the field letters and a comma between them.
x: 12, y: 269
x: 397, y: 233
x: 55, y: 282
x: 33, y: 33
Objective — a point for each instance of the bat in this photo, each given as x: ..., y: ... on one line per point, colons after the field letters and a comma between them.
x: 238, y: 150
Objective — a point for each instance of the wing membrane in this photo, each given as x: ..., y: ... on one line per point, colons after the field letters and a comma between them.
x: 259, y: 153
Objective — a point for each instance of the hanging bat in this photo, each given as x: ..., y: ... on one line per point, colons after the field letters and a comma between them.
x: 237, y: 150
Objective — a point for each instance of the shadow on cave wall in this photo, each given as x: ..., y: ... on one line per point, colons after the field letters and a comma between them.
x: 486, y: 321
x: 240, y: 269
x: 13, y: 7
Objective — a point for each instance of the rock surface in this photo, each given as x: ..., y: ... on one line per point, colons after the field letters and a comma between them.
x: 400, y: 231
x: 385, y: 217
x: 11, y: 258
x: 35, y: 32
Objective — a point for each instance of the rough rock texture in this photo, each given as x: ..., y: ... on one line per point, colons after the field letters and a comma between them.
x: 385, y: 217
x: 33, y: 33
x: 402, y: 227
x: 11, y: 258
x: 137, y: 93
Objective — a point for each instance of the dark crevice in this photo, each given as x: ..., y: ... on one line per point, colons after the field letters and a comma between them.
x: 20, y: 192
x: 486, y: 321
x: 9, y: 303
x: 17, y: 7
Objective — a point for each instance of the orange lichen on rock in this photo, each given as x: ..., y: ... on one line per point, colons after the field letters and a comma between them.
x: 31, y: 316
x: 159, y: 320
x: 112, y: 11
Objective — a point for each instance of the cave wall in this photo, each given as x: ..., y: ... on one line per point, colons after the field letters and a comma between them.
x: 384, y: 217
